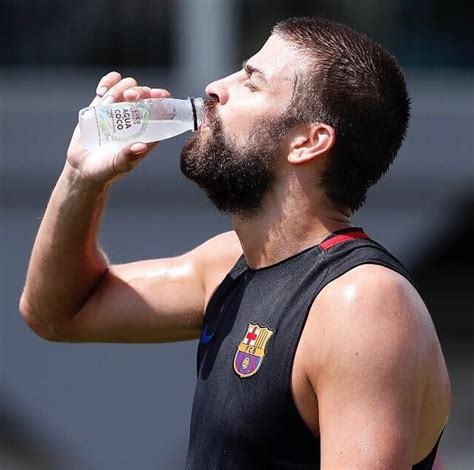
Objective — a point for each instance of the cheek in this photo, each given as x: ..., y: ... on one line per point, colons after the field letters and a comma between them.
x: 238, y: 125
x: 240, y: 116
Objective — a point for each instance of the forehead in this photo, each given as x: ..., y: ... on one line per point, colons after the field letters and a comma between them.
x: 278, y: 60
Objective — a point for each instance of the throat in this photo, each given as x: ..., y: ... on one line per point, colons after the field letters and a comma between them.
x: 266, y: 246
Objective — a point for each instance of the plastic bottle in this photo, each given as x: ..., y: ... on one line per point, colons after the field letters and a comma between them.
x: 148, y: 120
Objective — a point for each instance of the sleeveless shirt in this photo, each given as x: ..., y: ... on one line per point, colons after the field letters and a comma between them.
x: 243, y: 415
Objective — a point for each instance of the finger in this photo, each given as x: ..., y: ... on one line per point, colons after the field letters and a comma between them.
x: 95, y: 101
x: 128, y: 157
x: 137, y: 93
x: 160, y: 93
x: 115, y: 93
x: 76, y: 136
x: 106, y: 82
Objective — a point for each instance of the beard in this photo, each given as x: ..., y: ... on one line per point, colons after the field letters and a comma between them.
x: 235, y: 177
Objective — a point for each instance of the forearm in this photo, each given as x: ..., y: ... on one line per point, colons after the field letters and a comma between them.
x: 66, y: 262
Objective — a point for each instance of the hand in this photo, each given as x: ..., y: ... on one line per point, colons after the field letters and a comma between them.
x: 105, y: 165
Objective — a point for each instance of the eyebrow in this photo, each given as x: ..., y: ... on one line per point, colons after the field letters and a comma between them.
x: 250, y: 69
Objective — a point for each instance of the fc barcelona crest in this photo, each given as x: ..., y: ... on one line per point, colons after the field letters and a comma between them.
x: 251, y: 350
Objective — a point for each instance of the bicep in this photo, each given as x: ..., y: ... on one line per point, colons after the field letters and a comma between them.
x: 370, y: 381
x: 368, y: 421
x: 147, y: 301
x: 152, y: 301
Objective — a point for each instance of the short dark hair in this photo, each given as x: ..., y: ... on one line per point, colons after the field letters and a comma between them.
x: 356, y: 87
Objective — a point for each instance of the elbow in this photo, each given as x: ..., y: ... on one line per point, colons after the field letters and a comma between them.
x: 36, y: 323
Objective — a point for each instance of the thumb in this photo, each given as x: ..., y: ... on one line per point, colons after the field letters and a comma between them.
x: 126, y: 159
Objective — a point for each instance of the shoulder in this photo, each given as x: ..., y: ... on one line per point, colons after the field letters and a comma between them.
x: 216, y: 257
x: 369, y: 287
x: 368, y: 345
x: 225, y: 240
x: 221, y: 251
x: 373, y: 311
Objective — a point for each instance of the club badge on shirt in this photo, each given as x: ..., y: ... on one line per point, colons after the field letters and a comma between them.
x: 251, y: 350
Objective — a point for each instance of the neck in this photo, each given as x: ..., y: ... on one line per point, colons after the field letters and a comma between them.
x: 279, y: 232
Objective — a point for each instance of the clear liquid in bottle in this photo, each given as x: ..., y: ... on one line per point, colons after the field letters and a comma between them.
x: 149, y: 120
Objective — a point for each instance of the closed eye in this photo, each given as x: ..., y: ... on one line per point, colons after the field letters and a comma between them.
x: 251, y: 70
x: 250, y: 86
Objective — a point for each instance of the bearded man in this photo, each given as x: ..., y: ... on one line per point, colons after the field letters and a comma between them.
x: 316, y: 349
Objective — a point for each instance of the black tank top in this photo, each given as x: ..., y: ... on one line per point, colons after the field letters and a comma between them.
x: 244, y: 416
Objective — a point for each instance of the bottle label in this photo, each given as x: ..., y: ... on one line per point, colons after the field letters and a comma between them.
x: 122, y: 122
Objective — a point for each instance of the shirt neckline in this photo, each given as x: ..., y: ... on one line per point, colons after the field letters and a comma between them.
x: 331, y: 235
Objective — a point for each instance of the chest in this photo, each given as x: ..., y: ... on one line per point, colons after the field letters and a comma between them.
x: 250, y: 363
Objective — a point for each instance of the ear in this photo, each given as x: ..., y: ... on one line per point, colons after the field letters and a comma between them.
x: 313, y: 141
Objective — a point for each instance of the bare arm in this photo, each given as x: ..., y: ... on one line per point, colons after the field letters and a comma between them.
x: 370, y: 369
x: 66, y: 263
x: 71, y: 291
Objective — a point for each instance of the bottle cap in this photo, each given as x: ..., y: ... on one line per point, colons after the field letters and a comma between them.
x: 197, y: 105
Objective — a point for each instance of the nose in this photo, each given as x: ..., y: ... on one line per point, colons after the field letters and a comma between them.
x: 218, y: 90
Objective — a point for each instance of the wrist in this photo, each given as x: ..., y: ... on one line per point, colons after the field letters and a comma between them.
x: 78, y: 180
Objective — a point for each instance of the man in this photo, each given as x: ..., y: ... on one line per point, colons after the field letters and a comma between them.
x: 315, y: 348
